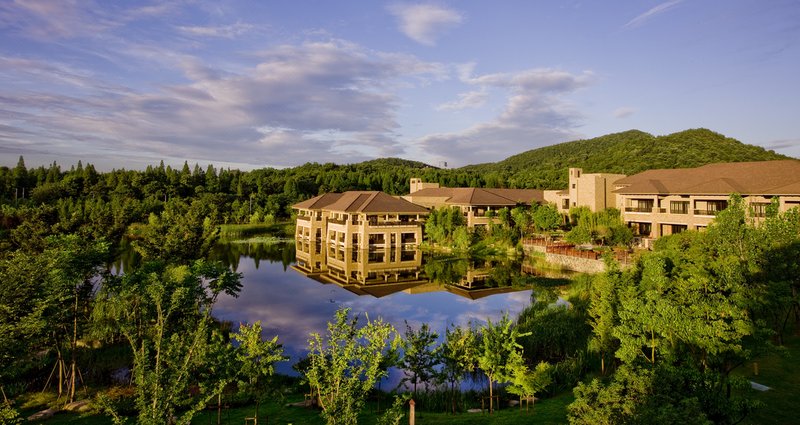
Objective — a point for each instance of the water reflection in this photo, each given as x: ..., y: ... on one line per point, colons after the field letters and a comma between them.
x: 380, y: 272
x: 296, y: 298
x: 294, y: 288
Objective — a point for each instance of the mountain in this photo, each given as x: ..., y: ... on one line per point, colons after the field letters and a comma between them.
x: 629, y: 152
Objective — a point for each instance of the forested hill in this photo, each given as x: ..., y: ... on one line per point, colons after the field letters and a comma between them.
x: 628, y: 153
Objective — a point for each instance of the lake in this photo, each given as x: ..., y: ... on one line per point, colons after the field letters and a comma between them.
x: 294, y: 289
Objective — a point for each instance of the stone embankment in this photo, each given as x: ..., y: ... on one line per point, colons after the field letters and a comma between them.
x: 572, y: 258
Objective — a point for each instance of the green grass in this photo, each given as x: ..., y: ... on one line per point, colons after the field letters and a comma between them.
x: 548, y: 411
x: 781, y: 372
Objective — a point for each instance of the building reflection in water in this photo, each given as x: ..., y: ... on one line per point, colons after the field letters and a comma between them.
x: 383, y: 271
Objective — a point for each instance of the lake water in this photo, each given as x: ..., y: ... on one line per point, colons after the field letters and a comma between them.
x: 286, y: 290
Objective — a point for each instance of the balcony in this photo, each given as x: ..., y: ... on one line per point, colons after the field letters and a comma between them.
x: 303, y: 218
x: 639, y: 209
x: 706, y: 212
x: 394, y: 223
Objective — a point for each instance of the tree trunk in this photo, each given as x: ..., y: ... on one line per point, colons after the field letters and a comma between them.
x: 74, y: 345
x: 652, y: 347
x: 491, y: 398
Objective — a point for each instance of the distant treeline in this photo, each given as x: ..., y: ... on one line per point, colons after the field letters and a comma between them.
x: 85, y: 201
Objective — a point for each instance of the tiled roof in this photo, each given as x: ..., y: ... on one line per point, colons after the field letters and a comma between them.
x: 746, y: 178
x: 481, y: 196
x: 373, y: 202
x: 318, y: 202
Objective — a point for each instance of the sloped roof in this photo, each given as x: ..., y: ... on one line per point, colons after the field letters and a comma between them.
x: 372, y: 202
x: 746, y: 178
x: 481, y: 196
x: 318, y: 202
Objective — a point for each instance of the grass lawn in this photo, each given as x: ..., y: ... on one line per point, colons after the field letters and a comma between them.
x: 781, y: 372
x: 549, y: 411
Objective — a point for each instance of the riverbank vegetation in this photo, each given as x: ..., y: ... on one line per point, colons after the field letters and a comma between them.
x: 664, y: 340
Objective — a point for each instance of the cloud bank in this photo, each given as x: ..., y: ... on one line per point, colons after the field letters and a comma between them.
x: 317, y: 100
x: 536, y: 113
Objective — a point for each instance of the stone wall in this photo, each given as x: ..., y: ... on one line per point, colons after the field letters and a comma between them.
x: 583, y: 265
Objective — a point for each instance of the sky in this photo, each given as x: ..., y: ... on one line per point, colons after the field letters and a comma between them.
x: 249, y: 84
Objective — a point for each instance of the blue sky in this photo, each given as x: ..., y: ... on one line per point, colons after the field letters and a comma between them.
x: 248, y: 84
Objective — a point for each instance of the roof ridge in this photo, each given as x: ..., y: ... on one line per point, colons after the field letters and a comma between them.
x: 368, y: 201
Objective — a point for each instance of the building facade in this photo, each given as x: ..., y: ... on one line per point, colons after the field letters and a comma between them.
x: 655, y: 203
x: 592, y: 190
x: 360, y: 219
x: 477, y: 204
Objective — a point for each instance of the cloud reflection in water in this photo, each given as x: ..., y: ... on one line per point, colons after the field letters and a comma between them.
x: 292, y: 306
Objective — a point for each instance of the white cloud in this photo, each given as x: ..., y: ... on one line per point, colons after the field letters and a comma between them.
x: 623, y: 112
x: 652, y: 12
x: 537, y: 113
x: 472, y: 99
x: 322, y: 101
x: 423, y: 23
x: 225, y: 31
x: 67, y: 19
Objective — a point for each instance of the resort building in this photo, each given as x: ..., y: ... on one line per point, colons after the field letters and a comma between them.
x: 361, y: 219
x: 477, y: 204
x: 592, y: 190
x: 662, y: 202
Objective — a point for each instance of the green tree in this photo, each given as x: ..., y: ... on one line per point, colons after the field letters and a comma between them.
x: 546, y: 218
x: 499, y: 354
x: 345, y: 366
x: 420, y: 355
x: 526, y: 383
x: 603, y: 312
x: 164, y: 314
x: 256, y: 358
x: 180, y: 233
x: 459, y: 356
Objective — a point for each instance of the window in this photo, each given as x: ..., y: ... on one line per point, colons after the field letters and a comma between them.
x: 758, y: 209
x: 642, y: 229
x: 640, y: 205
x: 717, y: 206
x: 573, y: 185
x: 565, y: 204
x: 679, y: 207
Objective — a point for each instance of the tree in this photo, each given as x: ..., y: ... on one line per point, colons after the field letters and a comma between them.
x: 603, y: 312
x: 346, y: 365
x: 256, y: 358
x: 546, y: 218
x: 164, y: 314
x: 522, y: 220
x: 526, y: 383
x: 499, y: 353
x: 180, y: 233
x: 686, y: 318
x: 420, y: 356
x: 459, y: 354
x: 43, y: 298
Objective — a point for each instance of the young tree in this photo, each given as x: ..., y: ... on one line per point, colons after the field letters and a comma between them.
x: 499, y: 354
x: 546, y: 218
x: 526, y: 383
x: 420, y: 355
x: 164, y: 313
x: 603, y: 312
x: 346, y: 365
x: 256, y: 358
x: 459, y: 355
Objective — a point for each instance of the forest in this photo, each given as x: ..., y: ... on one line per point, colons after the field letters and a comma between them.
x: 662, y: 341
